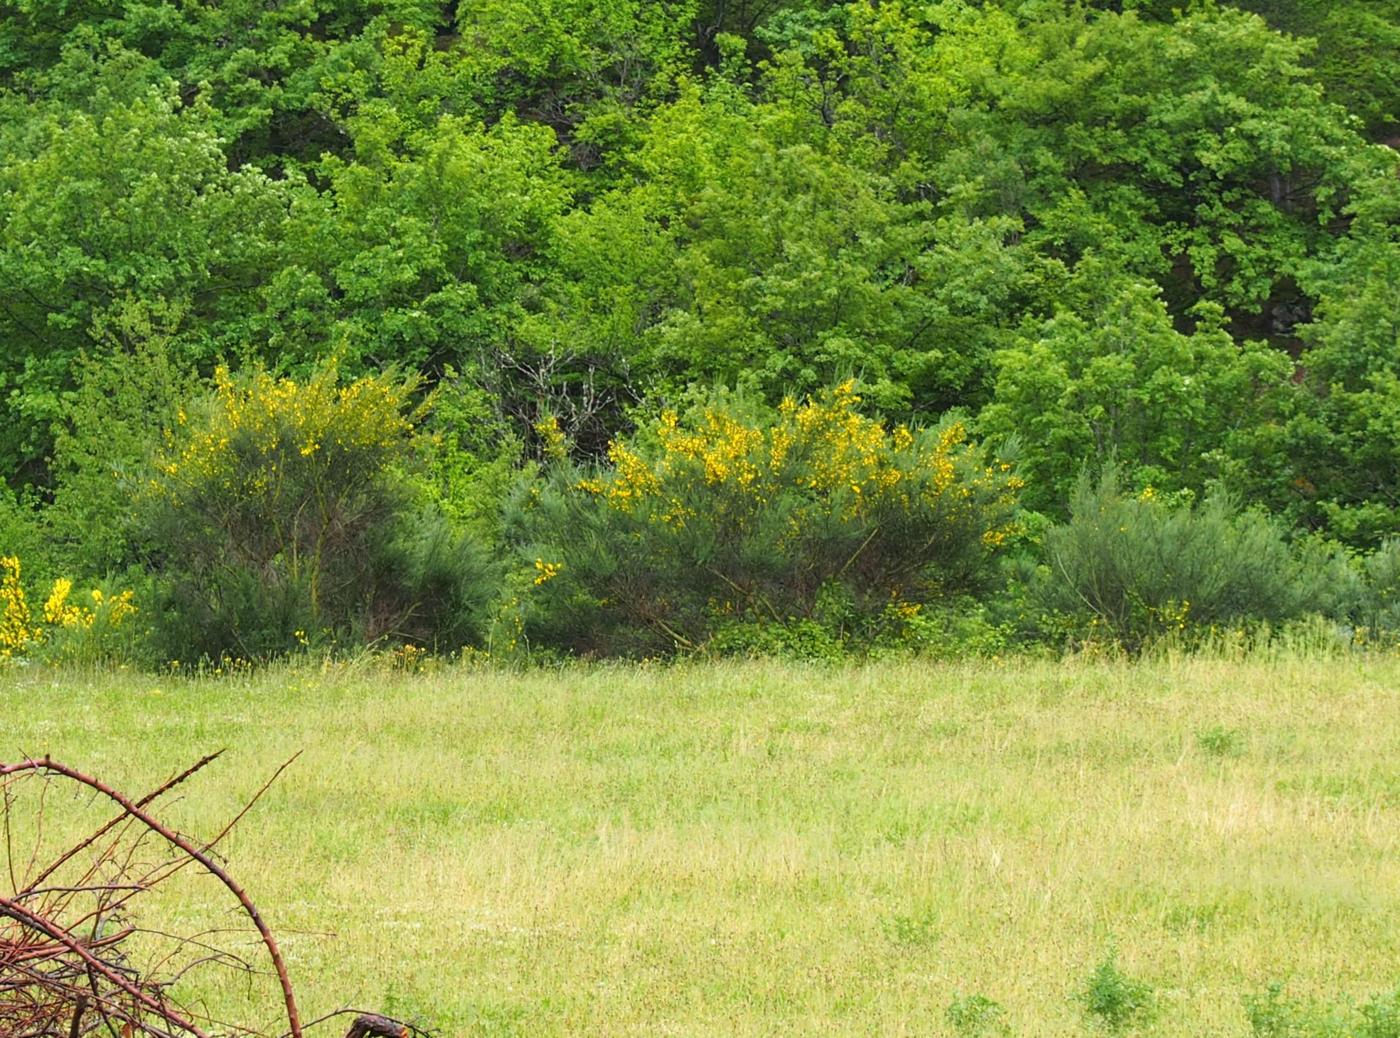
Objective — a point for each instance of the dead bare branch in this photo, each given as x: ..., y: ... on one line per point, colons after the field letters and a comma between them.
x: 67, y: 945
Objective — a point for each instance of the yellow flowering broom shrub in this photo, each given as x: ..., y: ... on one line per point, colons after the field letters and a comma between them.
x: 88, y: 631
x: 17, y: 629
x: 279, y: 515
x: 734, y: 514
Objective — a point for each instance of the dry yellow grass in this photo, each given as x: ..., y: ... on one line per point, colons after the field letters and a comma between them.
x: 765, y: 849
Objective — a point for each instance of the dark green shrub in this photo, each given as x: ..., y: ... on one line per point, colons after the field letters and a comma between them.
x: 1377, y: 608
x: 747, y: 521
x: 1131, y: 568
x: 216, y: 610
x: 439, y: 587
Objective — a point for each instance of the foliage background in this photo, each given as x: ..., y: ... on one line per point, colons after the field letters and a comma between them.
x: 1159, y: 235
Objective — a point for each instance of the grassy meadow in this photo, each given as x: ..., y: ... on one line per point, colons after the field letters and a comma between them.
x: 761, y: 849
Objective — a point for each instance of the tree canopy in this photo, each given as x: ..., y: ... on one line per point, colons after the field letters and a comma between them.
x: 1163, y: 233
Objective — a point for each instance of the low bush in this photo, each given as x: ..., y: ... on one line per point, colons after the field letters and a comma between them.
x: 734, y: 515
x: 960, y: 627
x: 92, y: 629
x: 1132, y: 568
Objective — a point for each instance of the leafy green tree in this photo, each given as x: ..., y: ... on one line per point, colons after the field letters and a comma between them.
x: 1330, y: 462
x: 561, y: 57
x: 130, y: 397
x: 1195, y: 153
x: 258, y: 66
x: 127, y: 198
x: 425, y: 246
x: 755, y: 248
x: 1357, y: 48
x: 1116, y: 379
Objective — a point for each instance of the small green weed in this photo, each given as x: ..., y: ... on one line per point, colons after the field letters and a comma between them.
x: 1219, y: 741
x: 1270, y: 1015
x: 1112, y: 999
x: 911, y: 928
x: 976, y: 1016
x: 1382, y: 1016
x: 407, y: 1007
x: 1273, y: 1015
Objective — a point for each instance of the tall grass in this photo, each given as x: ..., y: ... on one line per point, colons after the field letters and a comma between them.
x: 762, y: 849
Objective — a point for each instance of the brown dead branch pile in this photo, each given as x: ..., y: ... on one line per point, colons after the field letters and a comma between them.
x: 76, y: 960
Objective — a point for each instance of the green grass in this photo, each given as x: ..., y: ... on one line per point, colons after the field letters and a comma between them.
x: 766, y: 849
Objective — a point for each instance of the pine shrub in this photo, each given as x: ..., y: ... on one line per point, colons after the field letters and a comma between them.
x: 1133, y: 568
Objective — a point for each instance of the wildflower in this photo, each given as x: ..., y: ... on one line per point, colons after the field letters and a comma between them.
x: 546, y: 571
x: 58, y: 611
x: 552, y: 441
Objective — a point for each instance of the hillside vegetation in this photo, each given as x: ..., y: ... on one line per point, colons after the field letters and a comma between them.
x: 356, y: 318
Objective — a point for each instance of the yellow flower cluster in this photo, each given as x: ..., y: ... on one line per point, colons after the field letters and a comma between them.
x: 58, y: 610
x: 552, y: 441
x: 1173, y: 615
x: 845, y: 448
x: 18, y: 629
x: 119, y: 607
x: 412, y: 658
x: 546, y: 571
x: 278, y: 422
x: 823, y: 448
x: 904, y: 610
x: 724, y: 447
x: 632, y: 477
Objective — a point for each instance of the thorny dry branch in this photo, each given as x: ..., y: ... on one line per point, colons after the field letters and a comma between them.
x: 70, y: 942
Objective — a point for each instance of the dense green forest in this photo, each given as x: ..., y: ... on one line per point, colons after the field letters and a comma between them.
x: 529, y: 302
